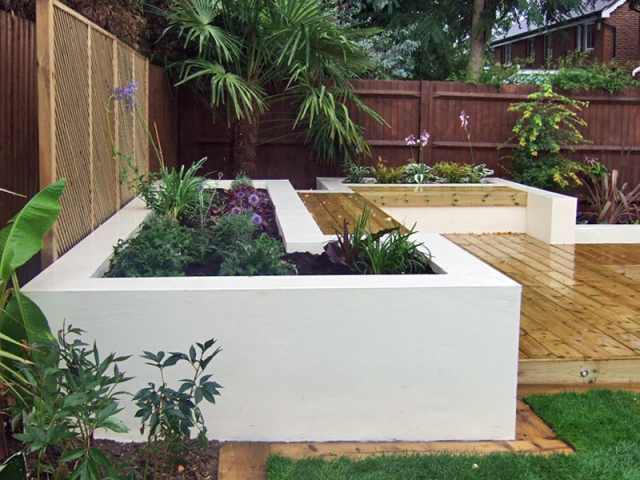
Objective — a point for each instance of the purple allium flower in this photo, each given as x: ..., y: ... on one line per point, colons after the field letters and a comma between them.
x: 253, y: 199
x: 128, y: 94
x: 424, y: 138
x: 411, y: 140
x: 236, y: 211
x: 464, y: 119
x: 256, y: 219
x: 240, y: 194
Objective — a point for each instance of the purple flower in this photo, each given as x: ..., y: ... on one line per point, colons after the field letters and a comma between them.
x: 411, y: 140
x: 256, y: 219
x: 253, y: 199
x: 236, y: 211
x: 240, y: 194
x: 128, y: 94
x: 424, y: 138
x: 464, y: 119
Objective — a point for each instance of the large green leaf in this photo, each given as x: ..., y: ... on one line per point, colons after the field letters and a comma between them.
x: 23, y: 321
x: 15, y: 467
x: 22, y: 238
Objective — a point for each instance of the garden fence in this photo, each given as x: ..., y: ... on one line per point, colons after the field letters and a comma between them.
x: 18, y: 118
x: 411, y: 107
x: 79, y: 64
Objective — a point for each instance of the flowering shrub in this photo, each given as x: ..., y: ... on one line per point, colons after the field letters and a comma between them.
x: 548, y: 122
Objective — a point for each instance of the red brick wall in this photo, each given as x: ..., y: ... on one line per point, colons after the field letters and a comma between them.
x: 627, y: 23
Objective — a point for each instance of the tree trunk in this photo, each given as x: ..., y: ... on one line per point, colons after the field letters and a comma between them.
x: 242, y: 146
x: 479, y: 38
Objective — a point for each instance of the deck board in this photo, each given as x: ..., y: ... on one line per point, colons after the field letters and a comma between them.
x: 330, y: 209
x: 578, y: 305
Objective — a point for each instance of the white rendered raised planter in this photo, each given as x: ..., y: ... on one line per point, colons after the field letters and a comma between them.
x: 607, y: 233
x: 366, y: 358
x: 547, y: 216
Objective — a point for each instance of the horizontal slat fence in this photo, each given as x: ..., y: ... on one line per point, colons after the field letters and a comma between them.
x: 18, y: 120
x: 411, y: 107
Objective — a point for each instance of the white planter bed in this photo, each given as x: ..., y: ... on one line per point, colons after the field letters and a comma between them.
x: 547, y: 216
x: 607, y: 233
x: 363, y: 358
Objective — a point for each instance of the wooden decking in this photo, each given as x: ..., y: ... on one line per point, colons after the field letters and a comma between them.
x: 330, y: 210
x: 580, y: 320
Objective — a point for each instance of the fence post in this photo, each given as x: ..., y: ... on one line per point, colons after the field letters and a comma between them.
x: 46, y: 112
x: 426, y: 116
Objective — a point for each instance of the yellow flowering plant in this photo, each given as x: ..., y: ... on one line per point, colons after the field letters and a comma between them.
x: 548, y: 123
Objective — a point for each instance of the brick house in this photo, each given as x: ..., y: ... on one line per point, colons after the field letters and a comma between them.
x: 610, y: 29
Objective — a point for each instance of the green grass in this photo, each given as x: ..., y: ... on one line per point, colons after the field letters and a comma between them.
x: 602, y: 425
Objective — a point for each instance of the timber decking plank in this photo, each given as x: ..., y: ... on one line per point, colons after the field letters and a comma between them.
x: 572, y: 306
x: 329, y: 210
x: 317, y: 206
x: 443, y: 196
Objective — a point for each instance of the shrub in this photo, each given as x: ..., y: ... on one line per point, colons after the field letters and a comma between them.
x: 548, y: 122
x: 261, y: 256
x: 160, y: 249
x: 383, y: 174
x: 610, y: 202
x: 452, y: 172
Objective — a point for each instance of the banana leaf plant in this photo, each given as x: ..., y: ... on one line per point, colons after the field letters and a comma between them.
x: 21, y: 320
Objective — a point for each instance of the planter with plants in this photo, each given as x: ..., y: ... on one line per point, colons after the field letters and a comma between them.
x: 310, y: 357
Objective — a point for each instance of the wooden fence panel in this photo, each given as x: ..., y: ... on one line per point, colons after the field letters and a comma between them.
x: 411, y: 107
x: 18, y: 120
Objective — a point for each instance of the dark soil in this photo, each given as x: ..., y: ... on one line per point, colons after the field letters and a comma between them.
x: 198, y: 464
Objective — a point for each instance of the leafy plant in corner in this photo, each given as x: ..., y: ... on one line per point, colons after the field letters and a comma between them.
x: 548, y: 122
x: 168, y: 415
x: 611, y: 202
x: 394, y: 253
x: 347, y: 248
x: 70, y: 400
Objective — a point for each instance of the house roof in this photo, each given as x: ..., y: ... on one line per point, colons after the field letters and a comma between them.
x: 521, y: 29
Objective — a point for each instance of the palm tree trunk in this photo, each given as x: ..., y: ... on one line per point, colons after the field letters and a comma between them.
x: 243, y: 145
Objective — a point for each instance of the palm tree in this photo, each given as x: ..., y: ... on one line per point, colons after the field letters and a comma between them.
x: 252, y: 53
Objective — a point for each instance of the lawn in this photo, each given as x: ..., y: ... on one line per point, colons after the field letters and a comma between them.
x: 603, y: 426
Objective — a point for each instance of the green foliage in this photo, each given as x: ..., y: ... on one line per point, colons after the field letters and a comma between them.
x: 548, y: 122
x: 387, y: 251
x: 577, y: 72
x: 604, y: 426
x: 69, y: 402
x: 241, y: 179
x: 452, y: 172
x: 611, y: 202
x: 396, y: 253
x: 21, y: 321
x: 173, y: 193
x: 15, y: 467
x: 162, y: 248
x: 261, y: 256
x: 417, y: 173
x: 241, y: 50
x: 383, y: 174
x: 168, y: 414
x: 355, y: 172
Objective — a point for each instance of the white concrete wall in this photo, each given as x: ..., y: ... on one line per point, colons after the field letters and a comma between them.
x: 461, y: 219
x: 607, y: 233
x: 402, y: 357
x: 548, y: 216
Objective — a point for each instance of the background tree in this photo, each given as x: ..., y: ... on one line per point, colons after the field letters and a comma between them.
x: 249, y: 54
x: 451, y: 36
